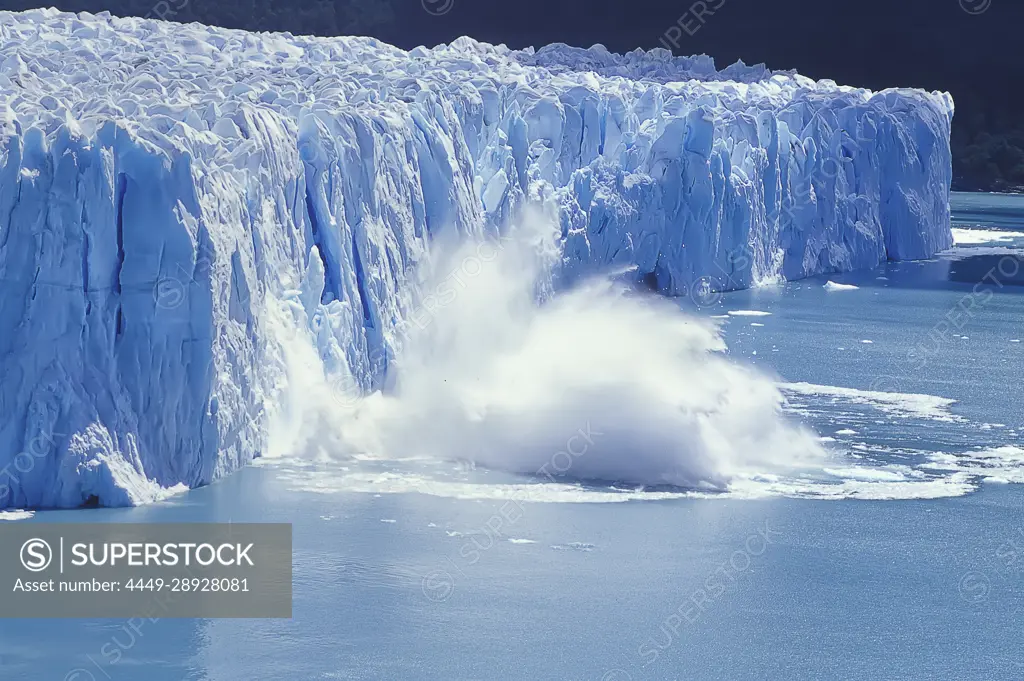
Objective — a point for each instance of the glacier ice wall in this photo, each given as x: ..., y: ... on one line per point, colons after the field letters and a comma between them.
x: 163, y: 186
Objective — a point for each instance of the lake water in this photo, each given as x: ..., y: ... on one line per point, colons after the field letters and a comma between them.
x: 904, y: 560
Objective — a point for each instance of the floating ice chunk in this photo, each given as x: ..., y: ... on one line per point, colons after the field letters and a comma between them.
x: 903, y: 405
x: 860, y: 473
x: 574, y: 546
x: 999, y: 464
x: 965, y: 237
x: 748, y: 313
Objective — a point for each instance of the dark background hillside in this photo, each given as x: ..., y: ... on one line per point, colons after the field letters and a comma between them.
x: 971, y: 48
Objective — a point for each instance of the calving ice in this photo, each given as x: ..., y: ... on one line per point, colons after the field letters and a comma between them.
x: 550, y: 363
x: 195, y: 248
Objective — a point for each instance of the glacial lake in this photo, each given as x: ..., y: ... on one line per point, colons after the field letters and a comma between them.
x: 903, y: 561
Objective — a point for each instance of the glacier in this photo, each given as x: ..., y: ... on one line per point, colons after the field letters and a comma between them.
x: 172, y: 195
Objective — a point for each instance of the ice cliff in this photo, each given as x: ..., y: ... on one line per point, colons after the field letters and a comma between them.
x: 163, y: 186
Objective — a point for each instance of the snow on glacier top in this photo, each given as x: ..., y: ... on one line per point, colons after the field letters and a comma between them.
x: 185, y: 81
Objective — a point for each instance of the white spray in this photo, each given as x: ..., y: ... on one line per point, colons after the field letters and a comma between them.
x: 596, y: 383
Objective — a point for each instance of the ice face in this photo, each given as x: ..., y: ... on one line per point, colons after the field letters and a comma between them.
x: 176, y: 200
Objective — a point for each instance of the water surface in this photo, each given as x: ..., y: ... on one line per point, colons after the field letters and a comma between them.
x: 903, y: 563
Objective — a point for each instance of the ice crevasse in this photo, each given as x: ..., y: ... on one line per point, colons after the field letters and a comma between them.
x: 160, y: 183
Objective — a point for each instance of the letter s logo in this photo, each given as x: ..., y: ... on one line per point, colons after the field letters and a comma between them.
x: 36, y: 555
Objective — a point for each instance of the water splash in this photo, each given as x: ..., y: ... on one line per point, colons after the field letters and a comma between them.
x: 595, y: 383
